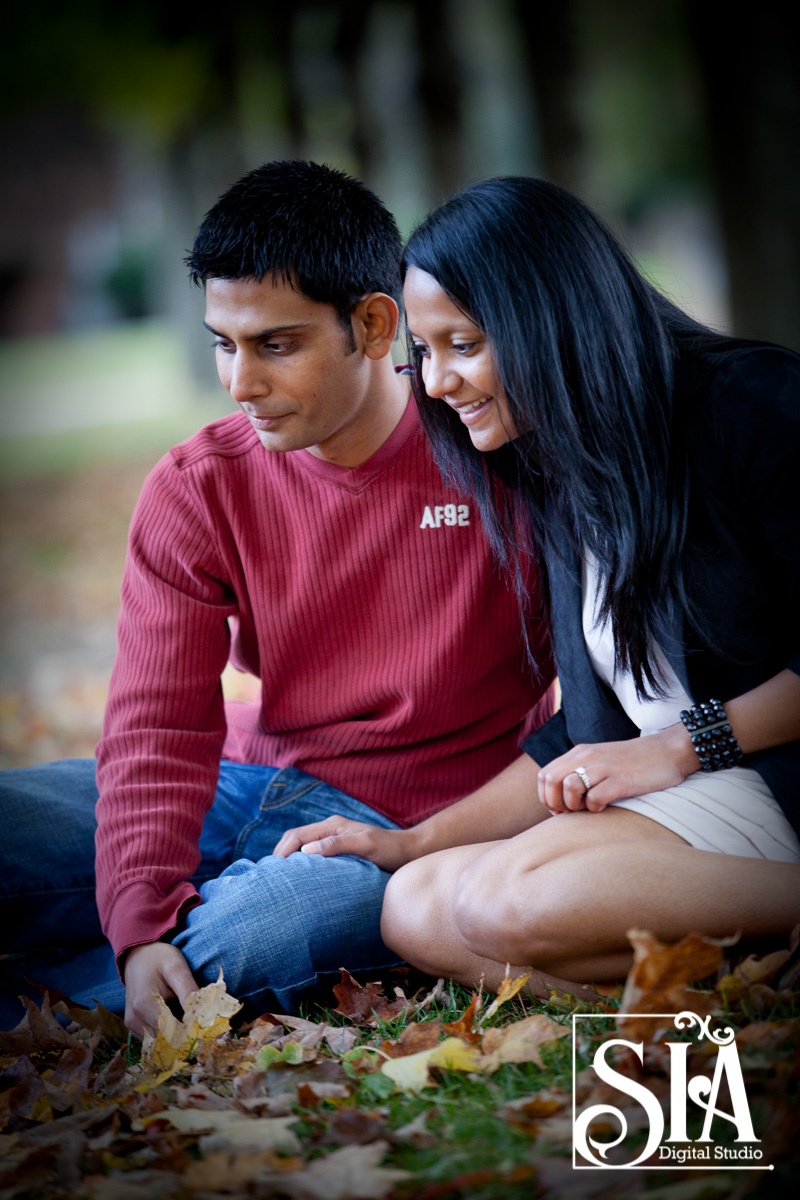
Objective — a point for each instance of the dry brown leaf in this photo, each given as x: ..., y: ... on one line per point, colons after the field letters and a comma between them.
x: 38, y: 1030
x: 232, y: 1128
x: 353, y: 1126
x: 109, y: 1024
x: 366, y: 1005
x: 658, y: 980
x: 223, y: 1171
x: 352, y: 1173
x: 465, y: 1026
x: 766, y: 1033
x: 752, y: 970
x: 520, y: 1042
x: 413, y: 1039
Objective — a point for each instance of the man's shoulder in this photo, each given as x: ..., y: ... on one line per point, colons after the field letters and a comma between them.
x: 230, y: 437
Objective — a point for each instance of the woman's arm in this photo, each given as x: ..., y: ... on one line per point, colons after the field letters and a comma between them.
x: 502, y: 808
x: 769, y: 715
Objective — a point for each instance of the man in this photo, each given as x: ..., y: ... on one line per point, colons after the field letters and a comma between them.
x: 310, y: 536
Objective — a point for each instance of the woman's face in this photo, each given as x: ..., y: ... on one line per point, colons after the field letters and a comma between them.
x: 457, y: 362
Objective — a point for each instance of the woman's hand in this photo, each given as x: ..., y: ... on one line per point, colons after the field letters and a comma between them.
x: 387, y: 848
x: 616, y: 770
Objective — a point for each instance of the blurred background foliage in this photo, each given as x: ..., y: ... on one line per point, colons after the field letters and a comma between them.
x: 120, y: 124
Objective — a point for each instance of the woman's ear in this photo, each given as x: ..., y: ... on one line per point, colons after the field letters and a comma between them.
x: 375, y: 319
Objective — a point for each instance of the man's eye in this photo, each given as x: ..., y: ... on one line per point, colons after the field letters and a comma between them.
x: 219, y: 345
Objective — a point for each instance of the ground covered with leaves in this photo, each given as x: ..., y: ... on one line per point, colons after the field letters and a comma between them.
x: 388, y: 1095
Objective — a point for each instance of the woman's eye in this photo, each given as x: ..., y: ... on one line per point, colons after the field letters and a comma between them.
x: 421, y: 349
x: 463, y: 347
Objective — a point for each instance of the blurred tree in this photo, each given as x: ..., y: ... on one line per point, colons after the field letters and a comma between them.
x: 439, y: 89
x: 549, y: 35
x: 750, y: 62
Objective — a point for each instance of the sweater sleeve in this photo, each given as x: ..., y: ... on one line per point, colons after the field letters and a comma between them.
x: 158, y: 761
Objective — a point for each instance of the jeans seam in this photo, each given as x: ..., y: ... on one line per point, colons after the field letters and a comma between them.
x: 265, y: 807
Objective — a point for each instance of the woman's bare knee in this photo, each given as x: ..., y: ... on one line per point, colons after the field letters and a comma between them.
x: 498, y: 915
x: 409, y: 917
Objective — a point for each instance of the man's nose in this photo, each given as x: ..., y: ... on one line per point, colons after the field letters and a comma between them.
x: 247, y: 381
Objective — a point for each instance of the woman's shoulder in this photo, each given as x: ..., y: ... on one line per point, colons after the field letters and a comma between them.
x: 745, y: 386
x: 756, y: 370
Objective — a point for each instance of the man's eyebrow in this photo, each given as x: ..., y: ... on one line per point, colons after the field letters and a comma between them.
x: 264, y: 333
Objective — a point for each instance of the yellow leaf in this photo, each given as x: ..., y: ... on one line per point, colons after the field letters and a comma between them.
x: 411, y: 1074
x: 151, y: 1083
x: 508, y: 988
x: 205, y: 1017
x: 455, y: 1055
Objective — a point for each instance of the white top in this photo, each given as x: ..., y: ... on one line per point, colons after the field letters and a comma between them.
x: 650, y: 716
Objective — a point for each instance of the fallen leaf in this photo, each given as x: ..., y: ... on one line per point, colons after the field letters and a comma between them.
x: 223, y: 1171
x: 289, y: 1055
x: 508, y: 988
x: 413, y: 1039
x: 411, y: 1073
x: 659, y: 978
x: 766, y: 1033
x: 109, y: 1024
x: 38, y: 1030
x: 417, y: 1131
x: 519, y: 1042
x: 234, y: 1129
x: 752, y: 970
x: 366, y: 1004
x: 353, y: 1126
x: 206, y: 1015
x: 464, y: 1028
x: 352, y: 1173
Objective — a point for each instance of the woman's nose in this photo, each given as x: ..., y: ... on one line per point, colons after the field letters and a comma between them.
x: 440, y: 379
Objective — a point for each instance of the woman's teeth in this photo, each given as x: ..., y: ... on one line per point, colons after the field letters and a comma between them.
x: 468, y: 408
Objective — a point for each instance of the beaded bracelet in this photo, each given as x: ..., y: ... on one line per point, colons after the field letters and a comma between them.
x: 712, y: 736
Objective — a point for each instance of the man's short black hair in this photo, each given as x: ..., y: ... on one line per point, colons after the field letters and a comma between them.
x: 322, y: 231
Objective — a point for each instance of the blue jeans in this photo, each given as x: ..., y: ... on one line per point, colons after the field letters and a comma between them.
x: 278, y: 927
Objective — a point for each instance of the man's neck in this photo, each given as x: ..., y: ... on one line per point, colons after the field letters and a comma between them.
x: 387, y: 401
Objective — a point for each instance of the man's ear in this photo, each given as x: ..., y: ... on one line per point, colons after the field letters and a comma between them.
x: 375, y: 320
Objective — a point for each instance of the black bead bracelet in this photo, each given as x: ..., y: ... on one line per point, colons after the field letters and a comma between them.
x: 712, y: 736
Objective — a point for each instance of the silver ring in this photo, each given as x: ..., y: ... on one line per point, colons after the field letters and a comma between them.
x: 584, y: 778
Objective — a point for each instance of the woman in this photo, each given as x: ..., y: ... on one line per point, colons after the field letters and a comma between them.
x: 650, y: 462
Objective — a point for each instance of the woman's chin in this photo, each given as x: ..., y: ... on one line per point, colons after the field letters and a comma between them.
x: 489, y: 439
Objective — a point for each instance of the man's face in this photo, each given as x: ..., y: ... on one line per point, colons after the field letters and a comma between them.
x: 289, y: 364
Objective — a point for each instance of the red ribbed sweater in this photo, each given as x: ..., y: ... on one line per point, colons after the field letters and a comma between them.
x: 365, y: 600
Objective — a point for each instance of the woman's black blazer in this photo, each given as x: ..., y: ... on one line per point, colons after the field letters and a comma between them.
x: 742, y: 563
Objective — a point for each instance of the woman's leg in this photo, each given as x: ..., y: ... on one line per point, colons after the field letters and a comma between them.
x: 562, y: 896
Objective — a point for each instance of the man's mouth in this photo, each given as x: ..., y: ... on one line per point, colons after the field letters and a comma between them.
x: 265, y: 423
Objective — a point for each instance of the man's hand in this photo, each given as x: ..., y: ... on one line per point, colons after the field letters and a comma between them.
x: 155, y: 967
x: 617, y: 770
x: 387, y: 848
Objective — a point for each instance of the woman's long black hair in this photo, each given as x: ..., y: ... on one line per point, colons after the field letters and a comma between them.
x: 589, y: 357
